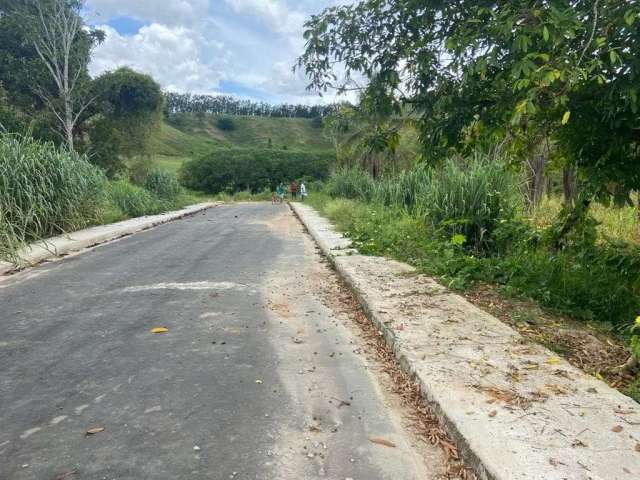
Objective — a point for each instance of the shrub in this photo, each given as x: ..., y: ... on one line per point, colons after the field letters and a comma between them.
x: 352, y: 183
x: 254, y: 170
x: 471, y: 199
x: 131, y: 200
x: 163, y: 184
x: 44, y: 190
x: 408, y: 190
x: 226, y: 124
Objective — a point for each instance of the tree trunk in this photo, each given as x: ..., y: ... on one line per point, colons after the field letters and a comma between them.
x: 68, y: 124
x: 569, y: 185
x: 536, y: 182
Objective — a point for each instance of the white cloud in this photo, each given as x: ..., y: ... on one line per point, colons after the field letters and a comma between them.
x: 275, y: 13
x: 194, y: 45
x: 169, y: 54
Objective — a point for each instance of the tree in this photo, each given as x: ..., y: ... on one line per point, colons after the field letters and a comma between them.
x: 567, y: 70
x: 59, y: 37
x: 128, y: 108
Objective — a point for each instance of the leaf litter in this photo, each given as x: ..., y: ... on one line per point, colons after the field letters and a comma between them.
x: 423, y: 419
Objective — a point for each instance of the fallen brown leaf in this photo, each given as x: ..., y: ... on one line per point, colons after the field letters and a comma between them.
x: 617, y: 429
x: 637, y: 447
x: 382, y: 441
x: 64, y: 475
x: 493, y: 413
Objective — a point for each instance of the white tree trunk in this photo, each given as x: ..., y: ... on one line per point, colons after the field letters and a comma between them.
x: 58, y: 29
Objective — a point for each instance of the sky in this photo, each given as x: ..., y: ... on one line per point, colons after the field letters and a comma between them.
x: 244, y: 48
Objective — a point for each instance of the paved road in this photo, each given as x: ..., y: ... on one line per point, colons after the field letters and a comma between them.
x: 248, y: 383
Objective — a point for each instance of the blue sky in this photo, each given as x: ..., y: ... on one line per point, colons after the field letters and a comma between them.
x: 240, y: 47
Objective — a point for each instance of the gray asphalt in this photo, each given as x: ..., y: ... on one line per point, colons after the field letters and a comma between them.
x: 246, y: 384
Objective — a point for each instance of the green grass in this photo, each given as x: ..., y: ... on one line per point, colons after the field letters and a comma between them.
x: 592, y: 281
x: 614, y: 223
x: 46, y: 190
x: 189, y: 136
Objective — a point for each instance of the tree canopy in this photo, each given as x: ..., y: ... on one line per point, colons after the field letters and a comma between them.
x: 495, y: 71
x: 128, y: 107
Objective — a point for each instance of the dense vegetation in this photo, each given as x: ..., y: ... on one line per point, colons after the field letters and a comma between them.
x: 227, y: 105
x: 46, y: 190
x: 467, y: 222
x: 546, y: 91
x: 254, y: 170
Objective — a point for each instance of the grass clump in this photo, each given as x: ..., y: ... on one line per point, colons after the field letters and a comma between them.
x: 131, y: 200
x: 164, y: 185
x: 44, y: 190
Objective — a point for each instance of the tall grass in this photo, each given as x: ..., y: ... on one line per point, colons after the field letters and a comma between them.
x: 471, y: 198
x: 163, y: 184
x: 465, y: 221
x: 44, y: 190
x: 468, y: 198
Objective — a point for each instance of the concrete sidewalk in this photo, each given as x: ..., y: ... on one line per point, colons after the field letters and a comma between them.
x: 516, y: 410
x: 73, y: 242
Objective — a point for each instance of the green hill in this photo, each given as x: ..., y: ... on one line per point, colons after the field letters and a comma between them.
x: 187, y: 136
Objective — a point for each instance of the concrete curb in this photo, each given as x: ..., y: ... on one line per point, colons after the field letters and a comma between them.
x: 515, y: 410
x: 64, y: 244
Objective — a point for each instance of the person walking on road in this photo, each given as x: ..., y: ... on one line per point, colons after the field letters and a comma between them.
x: 303, y: 191
x: 280, y: 192
x: 294, y: 189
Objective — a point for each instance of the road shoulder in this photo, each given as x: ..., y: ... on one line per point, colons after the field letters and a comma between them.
x: 515, y: 409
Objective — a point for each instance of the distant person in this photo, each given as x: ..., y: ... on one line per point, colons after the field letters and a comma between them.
x: 280, y: 192
x: 274, y: 198
x: 294, y: 189
x: 303, y: 191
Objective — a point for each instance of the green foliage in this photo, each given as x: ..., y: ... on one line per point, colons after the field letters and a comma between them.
x: 44, y: 190
x: 464, y: 225
x: 126, y: 114
x: 463, y: 197
x: 254, y: 170
x: 226, y: 124
x: 472, y: 198
x: 132, y: 200
x: 478, y: 73
x: 635, y: 339
x: 163, y: 184
x: 351, y: 183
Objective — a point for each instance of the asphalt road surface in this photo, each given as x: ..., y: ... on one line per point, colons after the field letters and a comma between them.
x: 260, y: 376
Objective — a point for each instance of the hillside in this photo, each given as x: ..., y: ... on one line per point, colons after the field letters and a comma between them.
x: 187, y: 136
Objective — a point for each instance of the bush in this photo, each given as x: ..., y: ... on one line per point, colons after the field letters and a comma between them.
x: 253, y: 170
x: 131, y: 200
x: 163, y: 184
x: 351, y: 183
x: 226, y: 124
x: 44, y: 190
x: 471, y: 199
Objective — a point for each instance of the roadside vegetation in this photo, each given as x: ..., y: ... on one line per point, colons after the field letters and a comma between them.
x: 253, y: 170
x: 46, y: 190
x: 522, y: 168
